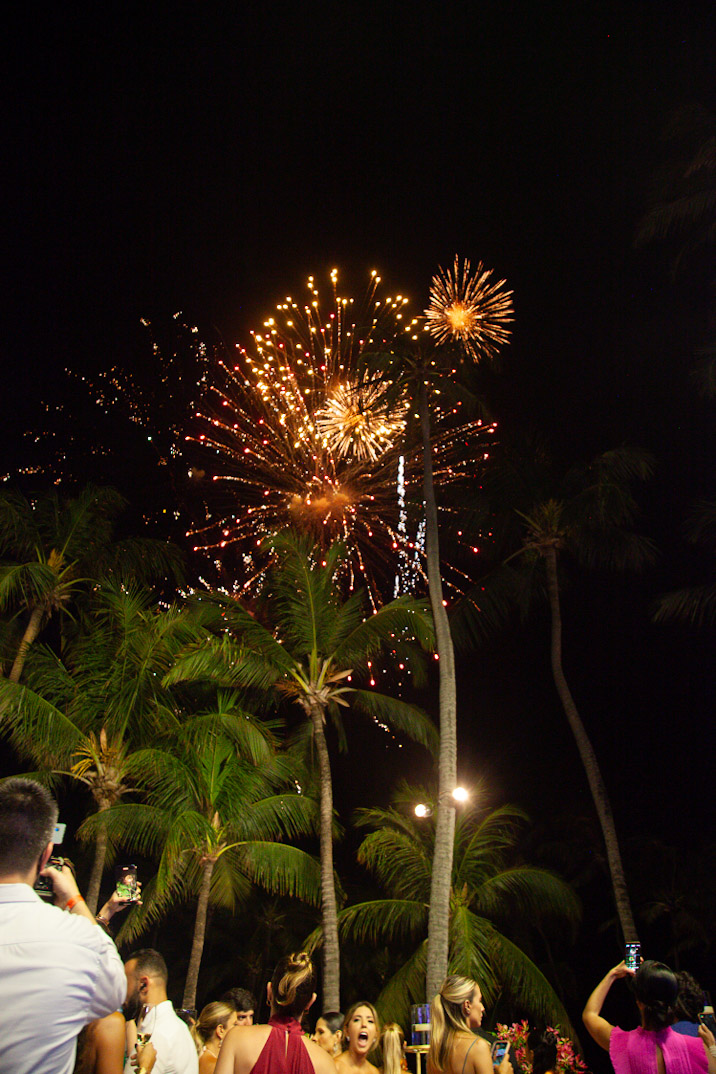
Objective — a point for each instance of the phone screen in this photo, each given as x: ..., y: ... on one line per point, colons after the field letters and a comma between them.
x: 498, y: 1051
x: 631, y: 957
x: 126, y: 876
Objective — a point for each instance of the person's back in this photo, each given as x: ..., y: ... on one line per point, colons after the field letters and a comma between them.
x: 279, y: 1047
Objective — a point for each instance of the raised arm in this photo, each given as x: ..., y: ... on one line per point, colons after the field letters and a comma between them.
x: 710, y: 1045
x: 597, y: 1027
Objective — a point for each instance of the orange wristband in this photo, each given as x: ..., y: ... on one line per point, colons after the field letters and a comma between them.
x: 73, y: 902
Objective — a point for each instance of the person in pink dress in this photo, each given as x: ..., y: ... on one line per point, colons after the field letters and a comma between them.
x: 279, y: 1047
x: 653, y: 1047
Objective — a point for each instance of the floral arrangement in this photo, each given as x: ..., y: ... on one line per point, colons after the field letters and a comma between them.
x: 568, y: 1062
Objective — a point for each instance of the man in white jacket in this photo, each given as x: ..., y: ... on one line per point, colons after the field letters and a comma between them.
x: 58, y: 969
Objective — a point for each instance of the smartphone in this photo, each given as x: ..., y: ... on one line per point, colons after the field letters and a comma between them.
x: 126, y: 882
x: 707, y: 1019
x: 498, y: 1051
x: 632, y: 956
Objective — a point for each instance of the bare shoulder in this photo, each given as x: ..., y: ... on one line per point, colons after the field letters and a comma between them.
x: 110, y: 1028
x: 472, y: 1053
x: 241, y: 1048
x: 322, y: 1062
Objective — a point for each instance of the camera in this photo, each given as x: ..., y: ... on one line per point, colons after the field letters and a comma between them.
x: 43, y: 884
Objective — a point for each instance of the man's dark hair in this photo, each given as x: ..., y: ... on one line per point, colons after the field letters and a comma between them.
x: 240, y: 999
x: 28, y: 815
x: 149, y: 962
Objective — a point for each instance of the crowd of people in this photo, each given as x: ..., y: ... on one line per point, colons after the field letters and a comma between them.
x: 68, y: 1003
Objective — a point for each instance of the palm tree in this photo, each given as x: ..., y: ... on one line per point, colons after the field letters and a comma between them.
x: 696, y: 604
x: 313, y: 645
x: 215, y: 819
x: 471, y: 313
x: 83, y: 715
x: 588, y: 515
x: 57, y: 547
x: 489, y: 888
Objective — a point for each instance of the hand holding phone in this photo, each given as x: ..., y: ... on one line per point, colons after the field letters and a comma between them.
x: 632, y: 956
x: 126, y: 883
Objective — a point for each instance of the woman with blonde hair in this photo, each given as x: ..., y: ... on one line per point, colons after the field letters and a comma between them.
x: 279, y: 1047
x: 392, y: 1042
x: 209, y: 1030
x: 360, y: 1034
x: 455, y: 1015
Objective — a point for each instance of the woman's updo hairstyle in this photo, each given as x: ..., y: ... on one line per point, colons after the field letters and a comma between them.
x: 543, y: 1045
x: 656, y: 987
x: 211, y: 1017
x: 293, y: 983
x: 447, y: 1017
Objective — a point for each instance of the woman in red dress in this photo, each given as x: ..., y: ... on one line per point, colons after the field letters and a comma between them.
x: 280, y: 1047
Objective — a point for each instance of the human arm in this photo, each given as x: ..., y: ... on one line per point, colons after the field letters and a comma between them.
x: 67, y: 894
x: 114, y: 904
x: 144, y: 1058
x: 108, y: 1044
x: 709, y: 1043
x: 597, y: 1027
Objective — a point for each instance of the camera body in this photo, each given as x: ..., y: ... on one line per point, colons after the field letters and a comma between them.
x: 43, y: 884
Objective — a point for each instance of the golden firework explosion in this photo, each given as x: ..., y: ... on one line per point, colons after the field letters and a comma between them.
x: 357, y: 420
x: 467, y: 308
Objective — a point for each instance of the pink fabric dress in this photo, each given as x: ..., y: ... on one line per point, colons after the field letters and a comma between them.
x: 634, y: 1052
x: 282, y: 1054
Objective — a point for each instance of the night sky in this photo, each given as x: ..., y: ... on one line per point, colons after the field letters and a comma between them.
x: 209, y: 160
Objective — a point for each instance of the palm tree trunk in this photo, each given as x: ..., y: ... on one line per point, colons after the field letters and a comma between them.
x: 589, y: 758
x: 440, y: 883
x: 331, y: 951
x: 100, y: 853
x: 31, y: 631
x: 197, y: 944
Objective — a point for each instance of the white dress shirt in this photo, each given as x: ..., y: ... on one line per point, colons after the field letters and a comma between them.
x: 58, y: 972
x: 176, y: 1051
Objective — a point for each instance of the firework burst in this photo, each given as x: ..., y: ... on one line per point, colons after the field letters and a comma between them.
x: 292, y: 434
x: 465, y: 307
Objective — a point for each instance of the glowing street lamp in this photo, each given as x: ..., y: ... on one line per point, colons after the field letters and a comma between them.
x: 459, y: 796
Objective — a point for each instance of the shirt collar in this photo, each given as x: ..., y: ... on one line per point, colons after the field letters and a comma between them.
x: 18, y: 893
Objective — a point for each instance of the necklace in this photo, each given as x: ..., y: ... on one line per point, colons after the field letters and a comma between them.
x: 208, y: 1049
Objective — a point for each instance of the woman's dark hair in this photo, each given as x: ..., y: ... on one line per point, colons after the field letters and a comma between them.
x: 293, y: 983
x: 543, y: 1045
x: 690, y: 1000
x: 333, y: 1019
x: 656, y: 987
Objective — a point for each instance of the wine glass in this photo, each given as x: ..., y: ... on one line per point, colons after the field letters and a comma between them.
x: 146, y: 1024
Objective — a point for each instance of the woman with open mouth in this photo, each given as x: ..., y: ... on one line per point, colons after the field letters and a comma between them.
x: 360, y: 1034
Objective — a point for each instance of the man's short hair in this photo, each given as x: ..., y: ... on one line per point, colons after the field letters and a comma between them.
x: 150, y: 963
x: 240, y: 999
x: 28, y: 815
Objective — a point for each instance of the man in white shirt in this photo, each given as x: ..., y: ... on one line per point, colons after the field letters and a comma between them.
x: 58, y: 968
x: 170, y: 1048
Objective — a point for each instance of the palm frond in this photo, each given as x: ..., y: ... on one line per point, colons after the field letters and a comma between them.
x: 282, y: 870
x: 401, y: 715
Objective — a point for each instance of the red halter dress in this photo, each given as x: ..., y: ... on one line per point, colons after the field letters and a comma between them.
x: 284, y: 1052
